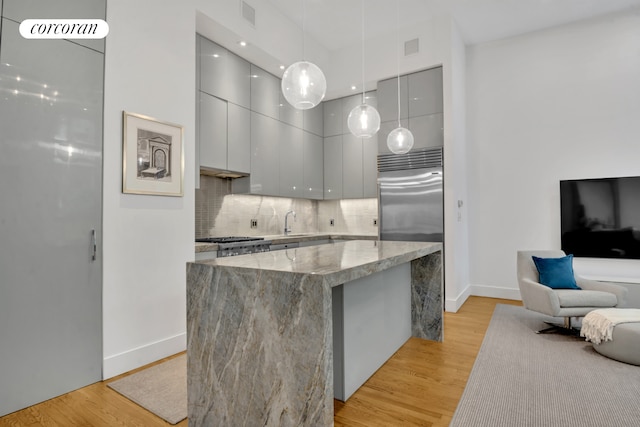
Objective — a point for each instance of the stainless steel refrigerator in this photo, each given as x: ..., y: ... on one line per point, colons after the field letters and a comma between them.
x: 411, y: 196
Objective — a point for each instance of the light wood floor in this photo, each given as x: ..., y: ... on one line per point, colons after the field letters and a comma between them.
x: 419, y: 386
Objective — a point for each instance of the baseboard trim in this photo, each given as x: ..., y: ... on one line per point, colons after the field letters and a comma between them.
x: 495, y: 292
x: 452, y: 305
x: 132, y: 359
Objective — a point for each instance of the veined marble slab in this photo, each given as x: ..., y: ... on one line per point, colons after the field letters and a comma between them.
x: 260, y: 340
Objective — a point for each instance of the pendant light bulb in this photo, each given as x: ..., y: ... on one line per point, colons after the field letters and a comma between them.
x: 364, y: 121
x: 303, y: 85
x: 400, y: 140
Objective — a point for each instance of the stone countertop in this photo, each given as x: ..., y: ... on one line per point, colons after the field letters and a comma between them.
x: 293, y: 238
x: 338, y: 263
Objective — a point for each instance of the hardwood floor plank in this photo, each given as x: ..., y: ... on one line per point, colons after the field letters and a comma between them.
x: 420, y: 385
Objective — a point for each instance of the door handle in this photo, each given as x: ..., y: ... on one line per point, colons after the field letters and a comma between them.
x: 93, y: 245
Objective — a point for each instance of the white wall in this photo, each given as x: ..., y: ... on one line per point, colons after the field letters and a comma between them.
x: 456, y: 245
x: 149, y: 69
x: 556, y: 104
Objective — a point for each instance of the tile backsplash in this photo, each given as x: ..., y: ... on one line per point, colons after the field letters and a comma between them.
x: 220, y: 213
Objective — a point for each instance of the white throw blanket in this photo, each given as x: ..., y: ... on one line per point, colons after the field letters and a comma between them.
x: 597, y: 325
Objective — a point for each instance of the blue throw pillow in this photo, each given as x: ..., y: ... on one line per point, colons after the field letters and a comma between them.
x: 556, y: 273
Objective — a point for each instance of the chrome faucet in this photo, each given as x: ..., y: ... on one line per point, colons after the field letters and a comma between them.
x: 287, y: 228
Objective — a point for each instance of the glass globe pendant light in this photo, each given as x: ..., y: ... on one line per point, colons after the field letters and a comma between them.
x: 303, y: 82
x: 399, y: 140
x: 363, y: 120
x: 303, y: 85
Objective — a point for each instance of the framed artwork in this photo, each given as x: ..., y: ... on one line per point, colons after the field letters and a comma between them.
x: 152, y: 156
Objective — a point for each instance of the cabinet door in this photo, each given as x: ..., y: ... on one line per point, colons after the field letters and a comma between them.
x: 291, y: 115
x: 383, y: 133
x: 51, y: 327
x: 265, y: 92
x: 388, y: 99
x: 348, y: 104
x: 291, y: 161
x: 265, y: 163
x: 238, y: 139
x: 425, y: 88
x: 333, y: 167
x: 224, y: 74
x: 427, y: 131
x: 313, y: 166
x: 213, y: 132
x: 333, y: 117
x: 351, y: 167
x: 314, y: 120
x: 370, y: 167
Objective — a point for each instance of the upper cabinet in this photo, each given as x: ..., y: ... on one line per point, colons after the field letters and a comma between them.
x: 265, y: 93
x: 224, y: 74
x: 350, y: 163
x: 388, y: 99
x: 421, y: 108
x: 212, y: 126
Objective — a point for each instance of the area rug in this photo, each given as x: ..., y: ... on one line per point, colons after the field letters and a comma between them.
x: 524, y: 379
x: 161, y: 389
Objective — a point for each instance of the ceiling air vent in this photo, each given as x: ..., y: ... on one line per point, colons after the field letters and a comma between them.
x: 411, y: 47
x: 249, y: 13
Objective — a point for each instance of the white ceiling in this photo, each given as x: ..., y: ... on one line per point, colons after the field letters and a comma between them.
x: 337, y: 23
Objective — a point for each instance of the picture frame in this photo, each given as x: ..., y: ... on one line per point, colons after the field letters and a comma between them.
x: 152, y: 156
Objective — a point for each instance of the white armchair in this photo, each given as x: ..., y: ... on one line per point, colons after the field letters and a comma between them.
x: 565, y: 303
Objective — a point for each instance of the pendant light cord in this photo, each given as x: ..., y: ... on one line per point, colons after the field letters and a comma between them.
x: 398, y: 55
x: 303, y: 19
x: 363, y: 97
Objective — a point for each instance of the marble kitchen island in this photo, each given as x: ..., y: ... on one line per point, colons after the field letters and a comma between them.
x: 262, y: 329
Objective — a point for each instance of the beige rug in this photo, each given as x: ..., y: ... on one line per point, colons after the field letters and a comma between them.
x: 161, y: 389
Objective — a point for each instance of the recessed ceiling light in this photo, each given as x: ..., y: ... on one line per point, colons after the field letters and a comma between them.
x: 215, y: 55
x: 282, y: 67
x: 242, y: 43
x: 353, y: 88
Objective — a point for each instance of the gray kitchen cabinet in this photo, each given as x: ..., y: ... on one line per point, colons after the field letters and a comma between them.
x: 212, y: 126
x: 428, y: 131
x: 313, y: 169
x: 388, y: 99
x: 370, y: 167
x: 333, y: 167
x: 51, y: 170
x: 351, y: 167
x: 265, y: 158
x: 425, y: 88
x: 224, y: 74
x: 348, y: 104
x: 238, y: 138
x: 265, y: 92
x: 383, y: 133
x: 290, y: 115
x: 291, y: 161
x: 314, y: 120
x: 333, y: 118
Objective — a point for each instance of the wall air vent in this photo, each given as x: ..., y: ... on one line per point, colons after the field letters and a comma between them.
x: 248, y: 13
x: 414, y: 159
x: 411, y: 47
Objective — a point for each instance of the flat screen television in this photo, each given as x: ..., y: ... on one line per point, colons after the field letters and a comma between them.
x: 600, y: 218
